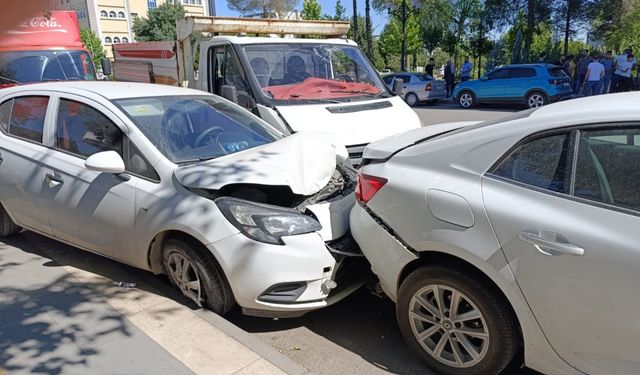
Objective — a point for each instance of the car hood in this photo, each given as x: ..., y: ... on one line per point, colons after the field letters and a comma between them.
x: 388, y: 146
x: 303, y: 162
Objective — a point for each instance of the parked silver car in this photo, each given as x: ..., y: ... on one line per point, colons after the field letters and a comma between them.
x: 515, y: 233
x: 418, y: 87
x: 184, y: 183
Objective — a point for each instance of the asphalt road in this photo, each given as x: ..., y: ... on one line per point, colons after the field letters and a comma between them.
x: 358, y: 335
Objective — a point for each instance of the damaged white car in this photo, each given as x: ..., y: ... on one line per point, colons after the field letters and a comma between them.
x: 179, y: 182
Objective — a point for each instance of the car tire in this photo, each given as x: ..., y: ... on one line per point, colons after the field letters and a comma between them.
x: 411, y: 99
x: 491, y: 354
x: 204, y: 283
x: 7, y: 226
x: 466, y: 99
x: 536, y: 99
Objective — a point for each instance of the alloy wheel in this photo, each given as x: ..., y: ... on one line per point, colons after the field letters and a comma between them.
x: 185, y: 277
x: 535, y: 101
x: 448, y: 326
x: 411, y: 99
x: 466, y: 100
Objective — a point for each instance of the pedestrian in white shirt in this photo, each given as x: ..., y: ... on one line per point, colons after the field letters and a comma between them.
x: 625, y: 83
x: 465, y: 71
x: 595, y: 73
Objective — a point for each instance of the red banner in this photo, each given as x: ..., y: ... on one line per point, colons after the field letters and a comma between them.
x: 56, y: 29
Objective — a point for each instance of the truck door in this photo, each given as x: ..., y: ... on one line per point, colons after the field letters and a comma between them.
x: 226, y: 70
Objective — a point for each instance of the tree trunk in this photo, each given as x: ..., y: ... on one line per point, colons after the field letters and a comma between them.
x: 367, y: 28
x: 567, y: 28
x: 355, y: 21
x: 528, y: 36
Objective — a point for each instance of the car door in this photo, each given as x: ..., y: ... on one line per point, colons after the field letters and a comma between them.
x: 92, y: 210
x: 570, y: 235
x: 22, y: 159
x: 493, y: 88
x: 520, y: 81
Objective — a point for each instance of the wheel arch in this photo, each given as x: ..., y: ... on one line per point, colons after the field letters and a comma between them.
x: 156, y: 247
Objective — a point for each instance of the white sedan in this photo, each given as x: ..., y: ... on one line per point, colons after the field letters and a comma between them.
x: 180, y: 182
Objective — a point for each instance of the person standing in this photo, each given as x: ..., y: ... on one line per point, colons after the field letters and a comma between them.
x: 465, y: 71
x: 607, y: 61
x: 593, y: 78
x: 448, y: 77
x: 581, y: 70
x: 624, y: 68
x: 428, y: 69
x: 568, y: 67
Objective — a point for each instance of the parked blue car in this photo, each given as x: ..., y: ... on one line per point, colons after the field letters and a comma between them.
x: 533, y: 85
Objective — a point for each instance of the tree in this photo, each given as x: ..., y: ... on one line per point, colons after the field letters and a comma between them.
x: 368, y: 33
x: 93, y: 44
x: 340, y: 12
x: 311, y: 10
x: 572, y: 14
x: 354, y: 22
x: 161, y: 24
x: 266, y: 8
x: 391, y: 38
x: 432, y: 35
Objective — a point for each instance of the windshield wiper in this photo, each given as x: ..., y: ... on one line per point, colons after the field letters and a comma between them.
x: 316, y: 100
x: 196, y: 160
x: 10, y: 80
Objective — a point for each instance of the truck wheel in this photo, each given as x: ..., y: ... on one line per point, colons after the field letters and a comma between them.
x: 411, y: 99
x: 466, y: 99
x: 197, y: 276
x: 456, y: 322
x: 7, y: 226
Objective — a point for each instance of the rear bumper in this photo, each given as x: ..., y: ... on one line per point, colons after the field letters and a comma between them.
x: 432, y: 95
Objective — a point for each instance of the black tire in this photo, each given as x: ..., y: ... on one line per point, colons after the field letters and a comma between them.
x: 503, y: 334
x: 7, y: 226
x: 412, y: 99
x: 216, y: 293
x: 536, y: 99
x: 466, y: 99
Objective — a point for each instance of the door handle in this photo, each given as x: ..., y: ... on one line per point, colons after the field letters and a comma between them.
x: 549, y: 247
x: 54, y: 181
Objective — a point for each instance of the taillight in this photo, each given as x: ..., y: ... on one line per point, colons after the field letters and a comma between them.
x: 555, y: 81
x: 367, y: 186
x: 428, y: 87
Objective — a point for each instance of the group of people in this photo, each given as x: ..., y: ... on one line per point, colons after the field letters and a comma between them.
x: 594, y: 73
x: 449, y: 72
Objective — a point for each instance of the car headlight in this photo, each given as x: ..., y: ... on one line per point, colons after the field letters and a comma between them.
x: 265, y: 223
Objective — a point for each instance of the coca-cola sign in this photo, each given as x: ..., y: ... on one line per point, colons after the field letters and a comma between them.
x: 56, y: 29
x: 43, y: 23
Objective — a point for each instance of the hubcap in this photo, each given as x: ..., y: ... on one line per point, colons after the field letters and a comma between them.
x: 536, y: 101
x: 448, y: 326
x: 411, y: 99
x: 185, y: 276
x: 466, y: 100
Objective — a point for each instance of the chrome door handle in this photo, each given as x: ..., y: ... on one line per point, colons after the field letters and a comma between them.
x: 543, y: 245
x: 54, y: 181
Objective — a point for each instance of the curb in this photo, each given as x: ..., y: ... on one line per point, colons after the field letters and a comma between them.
x: 267, y: 352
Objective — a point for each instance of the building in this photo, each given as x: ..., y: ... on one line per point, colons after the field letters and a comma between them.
x: 112, y: 20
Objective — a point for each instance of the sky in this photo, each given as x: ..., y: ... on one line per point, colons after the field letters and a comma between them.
x: 328, y: 7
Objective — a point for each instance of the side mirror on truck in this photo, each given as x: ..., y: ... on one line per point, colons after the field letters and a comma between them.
x: 229, y: 92
x: 397, y: 86
x: 106, y: 67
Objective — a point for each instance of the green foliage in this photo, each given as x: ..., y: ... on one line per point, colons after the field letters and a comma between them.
x: 340, y: 12
x: 93, y: 44
x: 265, y: 7
x: 391, y: 37
x: 627, y: 32
x: 161, y: 24
x: 311, y: 10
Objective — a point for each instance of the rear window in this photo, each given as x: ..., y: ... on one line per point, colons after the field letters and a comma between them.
x: 557, y: 72
x: 425, y: 77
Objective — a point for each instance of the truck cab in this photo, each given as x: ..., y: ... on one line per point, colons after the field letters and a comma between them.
x: 321, y: 85
x: 44, y: 49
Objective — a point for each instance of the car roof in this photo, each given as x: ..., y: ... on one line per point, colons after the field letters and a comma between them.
x: 540, y: 65
x: 109, y: 90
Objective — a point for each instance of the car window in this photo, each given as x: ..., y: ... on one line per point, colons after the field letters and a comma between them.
x: 82, y: 130
x: 608, y: 168
x: 542, y: 162
x: 405, y: 78
x: 136, y: 163
x: 523, y: 73
x: 388, y: 79
x: 23, y: 117
x: 499, y: 74
x: 557, y: 72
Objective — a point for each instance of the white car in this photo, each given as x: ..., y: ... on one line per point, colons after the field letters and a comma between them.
x: 519, y: 234
x: 180, y: 182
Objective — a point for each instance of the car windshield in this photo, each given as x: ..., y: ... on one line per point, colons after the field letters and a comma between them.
x: 307, y: 72
x: 37, y: 66
x: 192, y: 128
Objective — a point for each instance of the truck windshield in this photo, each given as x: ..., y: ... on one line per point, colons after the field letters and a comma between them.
x: 37, y: 66
x: 304, y: 72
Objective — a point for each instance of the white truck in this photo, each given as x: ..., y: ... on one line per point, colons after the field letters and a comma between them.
x: 294, y: 83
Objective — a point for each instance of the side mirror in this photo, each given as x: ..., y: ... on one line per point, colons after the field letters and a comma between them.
x: 229, y: 92
x: 106, y: 66
x: 397, y: 86
x: 485, y: 78
x: 105, y: 162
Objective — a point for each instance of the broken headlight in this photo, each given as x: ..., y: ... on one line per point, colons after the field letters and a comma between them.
x: 265, y: 223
